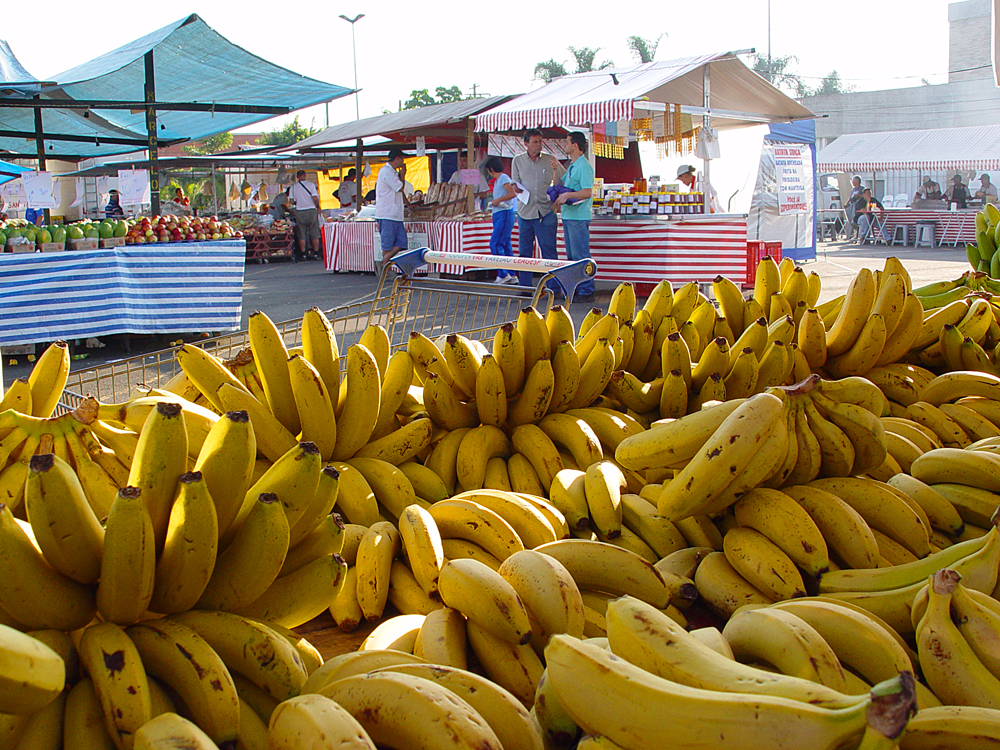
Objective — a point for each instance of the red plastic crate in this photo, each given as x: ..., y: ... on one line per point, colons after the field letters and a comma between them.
x: 757, y: 249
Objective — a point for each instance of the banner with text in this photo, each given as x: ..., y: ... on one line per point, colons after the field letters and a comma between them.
x: 788, y: 162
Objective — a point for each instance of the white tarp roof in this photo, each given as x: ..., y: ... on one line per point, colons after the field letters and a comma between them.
x: 941, y: 149
x: 614, y: 94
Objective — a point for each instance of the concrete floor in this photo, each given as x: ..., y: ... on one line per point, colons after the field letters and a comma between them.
x: 284, y: 290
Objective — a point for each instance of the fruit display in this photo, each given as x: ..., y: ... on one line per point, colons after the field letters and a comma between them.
x: 758, y: 522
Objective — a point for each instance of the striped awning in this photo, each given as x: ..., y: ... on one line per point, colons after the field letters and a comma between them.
x: 938, y: 150
x: 615, y: 93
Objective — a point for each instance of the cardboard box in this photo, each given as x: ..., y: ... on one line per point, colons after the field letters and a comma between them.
x: 19, y: 245
x: 113, y: 242
x: 84, y: 244
x: 17, y: 350
x: 51, y: 247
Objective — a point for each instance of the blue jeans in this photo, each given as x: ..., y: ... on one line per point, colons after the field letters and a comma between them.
x: 503, y: 225
x: 392, y: 235
x: 576, y: 235
x: 544, y: 230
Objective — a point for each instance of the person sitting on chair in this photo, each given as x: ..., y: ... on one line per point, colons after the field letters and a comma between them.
x: 869, y: 209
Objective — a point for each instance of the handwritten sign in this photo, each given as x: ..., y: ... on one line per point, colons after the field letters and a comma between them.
x: 133, y: 184
x: 788, y: 164
x: 38, y: 189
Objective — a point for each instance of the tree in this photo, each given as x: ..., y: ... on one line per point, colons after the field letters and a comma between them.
x: 290, y: 133
x: 423, y: 97
x: 210, y: 145
x: 454, y: 94
x: 778, y: 72
x: 584, y: 60
x: 550, y: 69
x: 644, y: 49
x: 832, y: 84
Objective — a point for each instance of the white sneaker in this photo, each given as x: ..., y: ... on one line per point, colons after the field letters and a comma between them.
x: 500, y: 280
x: 510, y: 280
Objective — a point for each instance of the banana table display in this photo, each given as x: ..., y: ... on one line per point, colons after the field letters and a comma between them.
x: 501, y: 499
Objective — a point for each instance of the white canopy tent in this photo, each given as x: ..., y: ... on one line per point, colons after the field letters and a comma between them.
x: 719, y: 87
x: 941, y: 149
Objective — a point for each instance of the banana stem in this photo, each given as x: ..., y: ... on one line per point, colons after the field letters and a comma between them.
x: 893, y: 702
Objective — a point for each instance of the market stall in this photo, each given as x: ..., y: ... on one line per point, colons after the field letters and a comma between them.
x: 164, y: 288
x: 719, y: 92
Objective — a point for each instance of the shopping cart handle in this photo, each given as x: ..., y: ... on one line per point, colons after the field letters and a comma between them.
x: 569, y: 273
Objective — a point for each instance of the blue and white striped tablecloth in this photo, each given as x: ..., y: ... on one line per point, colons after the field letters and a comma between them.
x: 171, y: 288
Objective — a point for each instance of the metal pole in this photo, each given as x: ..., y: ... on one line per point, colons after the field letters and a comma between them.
x: 215, y: 201
x: 706, y: 124
x: 40, y: 147
x: 354, y: 52
x: 151, y: 137
x: 359, y: 193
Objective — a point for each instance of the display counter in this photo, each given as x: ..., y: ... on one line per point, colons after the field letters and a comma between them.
x: 162, y: 288
x: 692, y: 248
x: 950, y: 227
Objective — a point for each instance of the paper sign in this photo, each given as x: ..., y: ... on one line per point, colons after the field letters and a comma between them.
x: 421, y: 146
x: 788, y: 164
x: 471, y: 177
x: 13, y: 194
x: 133, y: 184
x: 524, y: 195
x: 79, y: 193
x: 38, y: 190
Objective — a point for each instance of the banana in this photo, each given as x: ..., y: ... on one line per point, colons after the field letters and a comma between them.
x: 189, y: 553
x: 171, y: 730
x: 355, y: 498
x: 953, y: 465
x: 259, y: 654
x: 559, y: 324
x: 313, y: 404
x: 837, y: 451
x: 675, y: 355
x: 947, y: 431
x: 376, y: 340
x: 976, y: 426
x: 48, y: 379
x: 566, y: 375
x: 444, y: 457
x: 516, y: 668
x: 468, y: 520
x: 426, y: 484
x: 863, y: 353
x: 787, y: 525
x: 113, y: 663
x: 643, y: 710
x: 645, y: 637
x: 863, y: 428
x: 762, y: 563
x: 974, y: 505
x: 952, y: 386
x: 979, y: 624
x: 640, y: 517
x: 483, y: 596
x: 128, y: 560
x: 496, y: 477
x: 319, y: 346
x: 271, y: 357
x: 731, y: 302
x: 904, y: 336
x: 536, y: 396
x: 463, y: 361
x: 930, y: 329
x: 345, y: 609
x: 32, y: 675
x: 421, y: 542
x: 854, y: 314
x: 732, y: 445
x: 948, y: 663
x: 548, y: 591
x: 226, y: 463
x: 300, y: 721
x: 530, y: 524
x: 508, y: 350
x: 160, y: 458
x: 294, y: 478
x: 883, y: 510
x: 478, y: 446
x: 83, y: 727
x: 408, y: 711
x: 441, y: 639
x: 598, y: 566
x: 946, y: 727
x: 603, y: 485
x: 64, y: 525
x: 249, y: 565
x: 191, y: 668
x: 941, y: 513
x: 537, y: 446
x: 272, y: 439
x: 595, y: 373
x: 328, y: 537
x: 296, y: 598
x: 568, y: 494
x: 319, y: 508
x: 379, y: 546
x: 531, y: 325
x: 361, y: 407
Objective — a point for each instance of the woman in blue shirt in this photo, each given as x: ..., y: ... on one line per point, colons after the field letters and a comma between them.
x: 502, y: 206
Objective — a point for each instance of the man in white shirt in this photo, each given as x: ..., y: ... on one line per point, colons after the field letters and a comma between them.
x: 304, y: 199
x: 389, y: 205
x: 535, y: 219
x: 347, y: 194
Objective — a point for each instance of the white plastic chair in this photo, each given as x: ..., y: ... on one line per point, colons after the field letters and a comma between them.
x: 901, y: 201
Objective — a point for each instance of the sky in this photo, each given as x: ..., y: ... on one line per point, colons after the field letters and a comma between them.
x: 403, y: 46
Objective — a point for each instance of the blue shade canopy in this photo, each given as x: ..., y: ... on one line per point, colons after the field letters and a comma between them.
x: 12, y: 73
x: 10, y: 171
x: 193, y: 63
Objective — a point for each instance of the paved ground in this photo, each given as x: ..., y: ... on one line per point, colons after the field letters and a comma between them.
x: 285, y: 290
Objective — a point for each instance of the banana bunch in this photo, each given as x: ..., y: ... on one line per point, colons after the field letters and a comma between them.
x: 957, y: 636
x: 983, y: 254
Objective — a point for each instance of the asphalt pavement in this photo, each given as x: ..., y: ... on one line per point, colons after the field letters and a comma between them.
x: 284, y: 290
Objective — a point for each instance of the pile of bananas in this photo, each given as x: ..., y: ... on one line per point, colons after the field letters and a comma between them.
x: 983, y: 255
x: 717, y: 517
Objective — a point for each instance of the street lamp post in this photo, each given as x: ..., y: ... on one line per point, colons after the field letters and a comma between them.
x: 354, y: 50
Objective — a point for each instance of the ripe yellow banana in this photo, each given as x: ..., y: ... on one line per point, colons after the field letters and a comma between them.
x: 853, y: 315
x: 508, y: 350
x: 294, y: 599
x: 421, y: 542
x: 271, y: 357
x: 478, y: 446
x: 560, y: 326
x: 298, y: 722
x: 313, y: 404
x: 272, y: 439
x: 361, y: 409
x: 319, y: 346
x: 226, y: 463
x: 379, y: 546
x: 48, y: 379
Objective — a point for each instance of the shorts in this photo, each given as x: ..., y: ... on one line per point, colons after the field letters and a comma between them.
x: 307, y: 222
x: 392, y: 234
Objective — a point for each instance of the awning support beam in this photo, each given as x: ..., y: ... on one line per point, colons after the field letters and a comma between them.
x: 149, y: 89
x: 251, y: 109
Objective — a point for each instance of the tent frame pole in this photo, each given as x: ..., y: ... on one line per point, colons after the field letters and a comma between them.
x: 706, y: 124
x: 149, y: 89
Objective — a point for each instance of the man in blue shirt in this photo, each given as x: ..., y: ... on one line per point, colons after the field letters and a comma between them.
x: 113, y: 209
x: 576, y: 206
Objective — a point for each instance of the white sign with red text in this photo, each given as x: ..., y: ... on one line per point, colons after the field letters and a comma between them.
x: 790, y: 171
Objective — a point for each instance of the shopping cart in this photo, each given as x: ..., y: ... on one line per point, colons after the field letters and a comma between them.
x: 402, y: 304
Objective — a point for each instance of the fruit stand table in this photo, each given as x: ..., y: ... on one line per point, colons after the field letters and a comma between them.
x: 165, y: 288
x: 696, y: 248
x: 953, y: 228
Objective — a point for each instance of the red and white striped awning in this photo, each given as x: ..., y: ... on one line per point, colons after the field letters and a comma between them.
x: 939, y: 150
x: 615, y: 93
